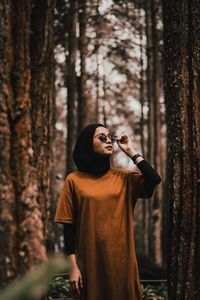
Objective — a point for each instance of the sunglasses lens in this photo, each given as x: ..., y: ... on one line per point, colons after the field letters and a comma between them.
x: 103, y: 137
x: 111, y: 137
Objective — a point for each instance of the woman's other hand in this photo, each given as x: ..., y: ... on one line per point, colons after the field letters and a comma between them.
x: 125, y: 144
x: 75, y: 278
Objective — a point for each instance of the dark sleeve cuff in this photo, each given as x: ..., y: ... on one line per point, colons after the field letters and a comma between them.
x: 148, y: 171
x: 69, y: 238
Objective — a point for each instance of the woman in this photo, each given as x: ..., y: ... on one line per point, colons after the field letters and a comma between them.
x: 96, y: 207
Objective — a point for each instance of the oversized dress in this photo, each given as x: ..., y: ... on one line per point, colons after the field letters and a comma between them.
x: 102, y: 208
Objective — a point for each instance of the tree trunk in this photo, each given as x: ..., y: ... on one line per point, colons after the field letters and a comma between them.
x: 182, y: 95
x: 22, y: 231
x: 149, y: 79
x: 42, y: 86
x: 82, y: 100
x: 144, y: 214
x: 154, y: 127
x: 156, y: 91
x: 71, y: 84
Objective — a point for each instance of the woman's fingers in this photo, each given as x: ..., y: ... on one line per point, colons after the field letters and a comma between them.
x: 123, y: 139
x: 81, y: 281
x: 75, y: 284
x: 77, y: 287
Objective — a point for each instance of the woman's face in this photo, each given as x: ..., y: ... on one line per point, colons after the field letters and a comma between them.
x: 104, y: 148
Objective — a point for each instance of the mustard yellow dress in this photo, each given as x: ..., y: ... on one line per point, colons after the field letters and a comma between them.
x: 102, y: 209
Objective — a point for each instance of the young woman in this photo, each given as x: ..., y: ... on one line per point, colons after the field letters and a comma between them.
x: 96, y: 207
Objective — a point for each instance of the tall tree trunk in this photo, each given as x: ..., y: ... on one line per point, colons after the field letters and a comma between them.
x: 144, y: 219
x: 22, y: 230
x: 149, y: 79
x: 156, y: 87
x: 182, y: 96
x: 21, y: 214
x: 97, y: 46
x: 42, y: 86
x: 82, y: 99
x: 71, y: 83
x: 154, y: 137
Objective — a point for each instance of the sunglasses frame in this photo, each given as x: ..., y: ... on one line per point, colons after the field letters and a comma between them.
x: 104, y: 138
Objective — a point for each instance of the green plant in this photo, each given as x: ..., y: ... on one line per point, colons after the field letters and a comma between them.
x: 34, y: 284
x: 155, y: 292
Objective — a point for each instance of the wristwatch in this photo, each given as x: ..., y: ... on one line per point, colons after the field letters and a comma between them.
x: 134, y: 157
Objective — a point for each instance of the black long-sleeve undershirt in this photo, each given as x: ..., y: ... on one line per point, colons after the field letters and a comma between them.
x: 151, y: 178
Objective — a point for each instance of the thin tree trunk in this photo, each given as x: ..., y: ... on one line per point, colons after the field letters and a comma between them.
x: 144, y: 219
x: 154, y: 128
x: 82, y: 100
x: 97, y: 46
x: 182, y: 95
x: 149, y: 79
x: 71, y: 84
x: 156, y: 86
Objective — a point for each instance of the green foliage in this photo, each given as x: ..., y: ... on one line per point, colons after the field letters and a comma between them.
x: 37, y: 282
x: 158, y: 292
x: 34, y: 284
x: 60, y: 287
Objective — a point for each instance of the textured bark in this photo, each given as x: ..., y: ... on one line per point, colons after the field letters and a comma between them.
x: 22, y: 228
x: 182, y: 95
x: 42, y: 85
x: 71, y: 83
x: 8, y: 226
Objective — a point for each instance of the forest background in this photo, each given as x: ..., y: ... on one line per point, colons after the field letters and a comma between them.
x: 131, y: 65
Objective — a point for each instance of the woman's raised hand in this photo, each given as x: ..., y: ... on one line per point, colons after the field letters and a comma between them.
x: 125, y: 144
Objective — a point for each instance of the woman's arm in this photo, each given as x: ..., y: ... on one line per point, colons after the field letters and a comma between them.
x: 151, y: 179
x: 149, y: 172
x: 75, y: 277
x: 69, y: 238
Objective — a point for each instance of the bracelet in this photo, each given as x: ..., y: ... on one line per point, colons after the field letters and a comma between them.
x: 134, y: 157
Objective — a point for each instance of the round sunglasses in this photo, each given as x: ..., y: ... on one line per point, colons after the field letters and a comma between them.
x: 103, y: 137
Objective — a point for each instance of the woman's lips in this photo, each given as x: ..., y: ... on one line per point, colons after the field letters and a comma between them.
x: 109, y: 147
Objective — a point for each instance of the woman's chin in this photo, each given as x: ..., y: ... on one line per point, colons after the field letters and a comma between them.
x: 108, y: 152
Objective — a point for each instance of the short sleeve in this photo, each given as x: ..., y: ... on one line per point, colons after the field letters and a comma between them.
x: 65, y: 205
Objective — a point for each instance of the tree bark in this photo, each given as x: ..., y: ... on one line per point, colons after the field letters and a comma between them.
x: 8, y: 226
x: 22, y: 231
x: 182, y: 96
x: 42, y: 86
